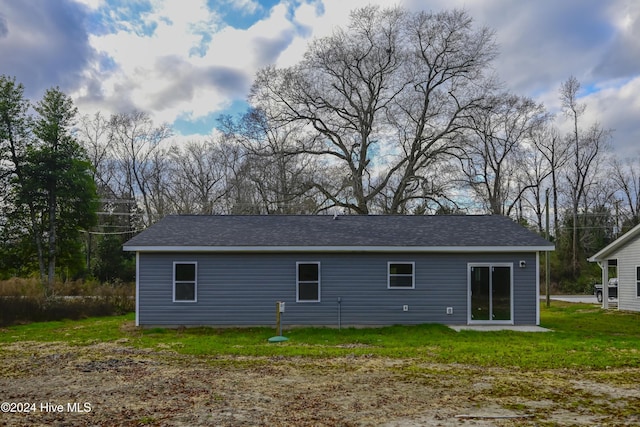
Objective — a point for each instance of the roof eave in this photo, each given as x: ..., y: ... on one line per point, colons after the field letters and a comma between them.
x: 379, y: 249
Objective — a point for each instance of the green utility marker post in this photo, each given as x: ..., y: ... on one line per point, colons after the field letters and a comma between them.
x: 279, y: 311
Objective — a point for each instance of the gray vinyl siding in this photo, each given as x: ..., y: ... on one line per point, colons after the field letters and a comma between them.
x: 242, y: 289
x: 628, y: 259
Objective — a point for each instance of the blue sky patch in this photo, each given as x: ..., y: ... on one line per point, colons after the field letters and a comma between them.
x: 238, y: 18
x: 205, y: 125
x: 112, y: 15
x: 201, y: 126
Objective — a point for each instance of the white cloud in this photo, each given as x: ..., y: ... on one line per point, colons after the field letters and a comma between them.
x: 248, y: 7
x: 320, y: 19
x: 160, y: 73
x: 176, y: 72
x: 150, y: 67
x: 194, y: 64
x: 91, y: 4
x: 180, y: 26
x: 248, y: 49
x: 617, y: 107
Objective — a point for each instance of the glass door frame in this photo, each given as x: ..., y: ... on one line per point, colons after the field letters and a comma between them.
x: 470, y: 266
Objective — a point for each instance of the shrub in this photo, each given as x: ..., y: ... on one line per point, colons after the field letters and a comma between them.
x: 17, y: 286
x: 25, y: 300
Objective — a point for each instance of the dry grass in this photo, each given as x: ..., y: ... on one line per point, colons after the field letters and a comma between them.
x: 129, y: 386
x: 24, y: 300
x: 17, y: 286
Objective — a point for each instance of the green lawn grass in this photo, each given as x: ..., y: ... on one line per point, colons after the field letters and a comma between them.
x: 583, y: 336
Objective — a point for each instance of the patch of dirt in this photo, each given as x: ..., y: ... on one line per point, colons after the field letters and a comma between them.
x: 117, y: 385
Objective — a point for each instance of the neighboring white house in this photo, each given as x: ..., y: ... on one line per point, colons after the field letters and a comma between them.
x: 626, y: 252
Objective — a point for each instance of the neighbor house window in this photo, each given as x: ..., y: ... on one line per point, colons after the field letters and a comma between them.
x: 308, y: 282
x: 401, y: 275
x: 637, y: 283
x: 185, y: 281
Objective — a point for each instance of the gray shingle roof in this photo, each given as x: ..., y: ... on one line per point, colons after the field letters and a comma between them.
x: 347, y: 231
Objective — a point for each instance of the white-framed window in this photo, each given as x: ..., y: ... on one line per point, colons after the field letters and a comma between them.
x: 637, y: 282
x: 401, y: 275
x: 185, y: 281
x: 307, y: 281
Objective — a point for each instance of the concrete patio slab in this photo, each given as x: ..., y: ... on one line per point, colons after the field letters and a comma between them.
x: 493, y: 328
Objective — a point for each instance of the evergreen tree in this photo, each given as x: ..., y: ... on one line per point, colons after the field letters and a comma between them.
x: 57, y: 182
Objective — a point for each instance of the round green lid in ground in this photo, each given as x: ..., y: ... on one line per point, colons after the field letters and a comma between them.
x: 278, y: 339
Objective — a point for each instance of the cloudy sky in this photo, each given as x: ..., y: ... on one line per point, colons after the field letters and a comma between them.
x: 188, y: 61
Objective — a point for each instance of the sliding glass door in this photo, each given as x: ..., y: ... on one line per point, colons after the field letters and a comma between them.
x: 490, y: 293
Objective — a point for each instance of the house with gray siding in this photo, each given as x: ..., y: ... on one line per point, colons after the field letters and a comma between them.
x: 345, y: 270
x: 625, y: 253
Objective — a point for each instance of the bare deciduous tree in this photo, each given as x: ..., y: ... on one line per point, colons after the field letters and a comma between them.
x: 586, y: 147
x: 535, y: 170
x: 198, y: 177
x: 495, y: 150
x: 555, y: 150
x: 93, y: 133
x: 279, y: 174
x: 382, y: 101
x: 626, y: 177
x: 134, y: 138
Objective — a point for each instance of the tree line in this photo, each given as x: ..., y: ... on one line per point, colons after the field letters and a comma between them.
x: 397, y: 113
x: 47, y: 193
